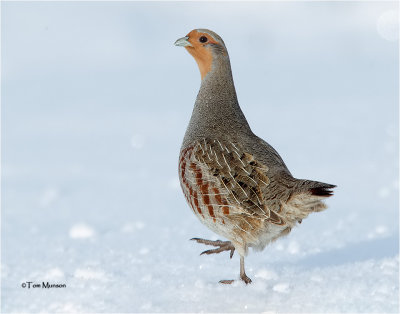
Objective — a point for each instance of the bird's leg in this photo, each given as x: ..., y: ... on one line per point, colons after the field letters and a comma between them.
x: 243, y: 275
x: 222, y: 246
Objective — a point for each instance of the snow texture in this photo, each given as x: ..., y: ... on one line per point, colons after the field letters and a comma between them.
x: 95, y: 102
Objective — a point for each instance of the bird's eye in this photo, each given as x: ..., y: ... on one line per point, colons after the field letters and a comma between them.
x: 203, y: 39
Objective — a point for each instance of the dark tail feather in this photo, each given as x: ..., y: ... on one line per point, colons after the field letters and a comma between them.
x: 324, y: 191
x: 317, y: 188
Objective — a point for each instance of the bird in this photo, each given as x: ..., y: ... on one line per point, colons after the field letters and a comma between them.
x: 234, y: 181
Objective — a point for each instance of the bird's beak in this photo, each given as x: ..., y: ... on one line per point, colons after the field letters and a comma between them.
x: 183, y: 42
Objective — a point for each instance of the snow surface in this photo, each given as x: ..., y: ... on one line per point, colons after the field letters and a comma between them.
x: 95, y: 102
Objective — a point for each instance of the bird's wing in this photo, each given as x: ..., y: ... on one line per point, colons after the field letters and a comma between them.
x: 243, y: 180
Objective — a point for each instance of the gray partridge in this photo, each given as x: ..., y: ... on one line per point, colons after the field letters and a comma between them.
x: 235, y: 182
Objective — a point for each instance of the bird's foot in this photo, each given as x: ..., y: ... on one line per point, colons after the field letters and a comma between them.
x: 222, y: 246
x: 246, y: 280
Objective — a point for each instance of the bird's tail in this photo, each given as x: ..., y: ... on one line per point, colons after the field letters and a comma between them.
x: 308, y: 198
x: 319, y: 188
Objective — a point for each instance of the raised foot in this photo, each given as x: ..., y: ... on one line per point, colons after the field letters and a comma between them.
x: 226, y: 282
x: 222, y: 246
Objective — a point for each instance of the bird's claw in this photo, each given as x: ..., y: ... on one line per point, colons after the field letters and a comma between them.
x: 222, y: 246
x: 246, y: 279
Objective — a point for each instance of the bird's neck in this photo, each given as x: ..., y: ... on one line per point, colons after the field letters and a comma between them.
x: 216, y: 110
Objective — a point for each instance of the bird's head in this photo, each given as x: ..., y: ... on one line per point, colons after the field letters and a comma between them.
x: 205, y: 46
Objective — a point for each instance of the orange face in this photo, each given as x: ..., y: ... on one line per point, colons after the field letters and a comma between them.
x: 200, y: 51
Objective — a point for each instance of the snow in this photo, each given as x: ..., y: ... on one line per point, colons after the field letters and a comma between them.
x: 81, y: 231
x: 93, y: 115
x: 388, y: 25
